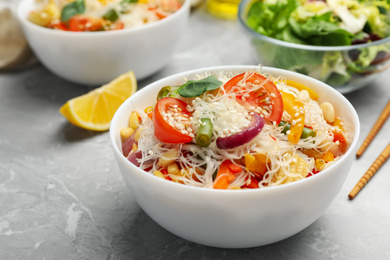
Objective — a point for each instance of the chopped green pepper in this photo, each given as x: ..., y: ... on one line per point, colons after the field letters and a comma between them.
x: 205, y: 133
x: 305, y: 133
x: 164, y: 92
x: 111, y: 15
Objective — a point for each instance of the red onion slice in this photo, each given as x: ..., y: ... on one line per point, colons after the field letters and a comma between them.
x: 133, y: 158
x: 127, y: 145
x: 244, y: 136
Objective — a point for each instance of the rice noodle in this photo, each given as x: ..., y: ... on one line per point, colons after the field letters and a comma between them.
x: 228, y: 116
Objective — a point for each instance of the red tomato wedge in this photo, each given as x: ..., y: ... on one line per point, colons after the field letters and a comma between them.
x: 263, y: 97
x: 81, y: 23
x: 58, y: 26
x: 175, y: 110
x: 119, y: 26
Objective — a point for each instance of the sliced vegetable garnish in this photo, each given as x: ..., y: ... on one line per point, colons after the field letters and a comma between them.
x: 205, y: 133
x: 244, y: 136
x: 171, y: 121
x: 255, y: 90
x: 163, y: 92
x: 74, y: 8
x: 195, y: 88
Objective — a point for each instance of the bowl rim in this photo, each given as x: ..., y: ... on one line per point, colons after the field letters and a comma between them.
x: 115, y: 132
x: 243, y: 9
x: 23, y: 19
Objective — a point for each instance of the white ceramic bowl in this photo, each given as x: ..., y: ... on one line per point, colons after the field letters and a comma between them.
x: 96, y: 58
x: 235, y: 218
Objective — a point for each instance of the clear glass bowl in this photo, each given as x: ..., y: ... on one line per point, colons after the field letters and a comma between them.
x: 338, y: 66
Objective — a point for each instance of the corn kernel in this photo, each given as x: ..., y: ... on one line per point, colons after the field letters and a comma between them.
x: 159, y: 174
x: 177, y: 177
x: 173, y: 168
x: 125, y: 133
x: 134, y: 120
x: 320, y: 164
x: 135, y: 147
x: 148, y: 110
x: 168, y: 157
x: 137, y: 134
x: 297, y: 166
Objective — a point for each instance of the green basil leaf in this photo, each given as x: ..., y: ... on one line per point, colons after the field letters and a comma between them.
x: 194, y: 88
x: 76, y: 7
x: 111, y: 15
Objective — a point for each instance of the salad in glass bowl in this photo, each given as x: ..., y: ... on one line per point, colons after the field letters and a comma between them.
x: 100, y: 15
x: 244, y: 131
x: 344, y: 43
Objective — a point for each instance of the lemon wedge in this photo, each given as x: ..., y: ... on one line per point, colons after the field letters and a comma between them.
x: 95, y: 109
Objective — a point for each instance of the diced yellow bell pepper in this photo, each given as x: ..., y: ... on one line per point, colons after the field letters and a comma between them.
x: 256, y: 163
x: 299, y: 86
x: 294, y: 108
x: 339, y: 123
x: 328, y: 156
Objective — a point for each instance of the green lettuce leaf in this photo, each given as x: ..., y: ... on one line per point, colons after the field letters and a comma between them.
x: 319, y: 30
x: 270, y: 18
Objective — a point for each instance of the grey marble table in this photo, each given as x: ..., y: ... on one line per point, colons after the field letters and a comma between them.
x: 62, y: 196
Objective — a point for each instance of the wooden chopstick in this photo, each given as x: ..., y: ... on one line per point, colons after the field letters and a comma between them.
x: 370, y: 172
x: 377, y: 126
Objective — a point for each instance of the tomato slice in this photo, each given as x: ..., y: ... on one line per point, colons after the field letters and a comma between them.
x: 58, y: 26
x: 119, y: 26
x: 175, y: 110
x: 82, y: 23
x: 262, y: 98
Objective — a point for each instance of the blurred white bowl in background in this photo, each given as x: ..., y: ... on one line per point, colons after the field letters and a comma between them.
x: 95, y: 58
